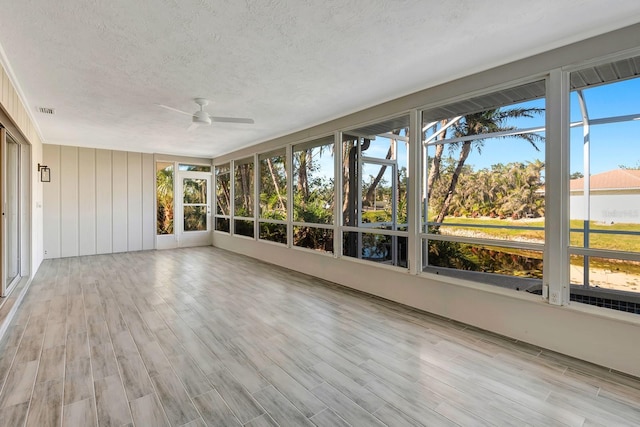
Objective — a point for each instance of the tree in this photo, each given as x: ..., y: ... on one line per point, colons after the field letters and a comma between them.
x: 485, y: 122
x: 369, y: 198
x: 434, y: 170
x: 636, y: 167
x: 576, y: 175
x: 164, y: 195
x: 244, y: 189
x: 273, y: 187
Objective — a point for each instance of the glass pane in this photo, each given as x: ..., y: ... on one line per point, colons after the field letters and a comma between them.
x: 380, y: 189
x: 243, y: 228
x: 244, y: 189
x: 490, y: 184
x: 474, y: 175
x: 273, y: 186
x: 483, y: 177
x: 606, y: 273
x: 195, y: 218
x: 273, y: 232
x: 222, y: 224
x: 194, y: 190
x: 377, y: 193
x: 313, y: 186
x: 380, y: 147
x: 223, y: 190
x: 320, y: 239
x: 604, y: 200
x: 612, y: 283
x: 613, y: 236
x: 222, y: 169
x: 402, y: 183
x: 606, y: 165
x: 164, y: 196
x: 487, y: 259
x: 194, y: 168
x: 379, y: 248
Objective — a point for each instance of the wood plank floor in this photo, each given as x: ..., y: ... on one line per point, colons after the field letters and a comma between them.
x: 196, y: 337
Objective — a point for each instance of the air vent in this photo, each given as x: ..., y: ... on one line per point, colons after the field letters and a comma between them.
x: 45, y: 110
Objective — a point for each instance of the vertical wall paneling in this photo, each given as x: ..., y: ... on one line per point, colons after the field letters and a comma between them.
x: 98, y: 201
x: 68, y: 201
x: 134, y: 201
x: 104, y: 217
x: 119, y: 197
x: 87, y: 200
x: 25, y: 213
x: 148, y: 202
x: 5, y: 88
x: 51, y: 202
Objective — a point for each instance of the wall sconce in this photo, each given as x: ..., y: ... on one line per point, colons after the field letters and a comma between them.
x: 45, y: 173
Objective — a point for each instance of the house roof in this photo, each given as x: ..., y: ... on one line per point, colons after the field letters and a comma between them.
x: 616, y: 179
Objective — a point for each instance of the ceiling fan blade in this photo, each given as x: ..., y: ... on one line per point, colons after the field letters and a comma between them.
x: 231, y: 120
x: 174, y: 109
x: 192, y: 127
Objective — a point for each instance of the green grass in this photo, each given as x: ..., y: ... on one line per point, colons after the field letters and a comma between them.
x: 597, y: 241
x: 618, y: 242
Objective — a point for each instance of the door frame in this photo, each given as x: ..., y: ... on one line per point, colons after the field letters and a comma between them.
x: 191, y: 238
x: 23, y: 212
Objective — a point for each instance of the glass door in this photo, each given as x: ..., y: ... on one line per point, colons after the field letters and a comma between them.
x: 10, y: 212
x: 194, y: 221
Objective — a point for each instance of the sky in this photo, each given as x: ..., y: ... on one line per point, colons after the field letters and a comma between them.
x: 612, y: 145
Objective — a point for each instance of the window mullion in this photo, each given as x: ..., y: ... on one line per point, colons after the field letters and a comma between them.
x: 337, y: 194
x: 556, y: 253
x: 232, y: 192
x: 289, y: 172
x: 256, y: 196
x: 413, y: 194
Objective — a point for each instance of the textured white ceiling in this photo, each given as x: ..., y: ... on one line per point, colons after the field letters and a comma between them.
x: 103, y: 65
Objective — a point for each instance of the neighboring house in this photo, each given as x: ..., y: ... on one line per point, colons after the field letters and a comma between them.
x: 615, y: 197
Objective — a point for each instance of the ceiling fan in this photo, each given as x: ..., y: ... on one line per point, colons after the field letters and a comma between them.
x: 201, y: 117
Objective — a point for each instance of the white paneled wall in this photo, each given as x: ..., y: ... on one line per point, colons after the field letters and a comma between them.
x: 51, y: 202
x: 87, y: 218
x: 104, y: 227
x: 69, y: 203
x: 98, y: 201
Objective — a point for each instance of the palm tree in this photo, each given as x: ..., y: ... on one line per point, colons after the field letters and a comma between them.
x: 485, y: 122
x: 164, y: 195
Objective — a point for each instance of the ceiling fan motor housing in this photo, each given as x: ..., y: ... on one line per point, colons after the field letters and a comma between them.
x: 201, y: 117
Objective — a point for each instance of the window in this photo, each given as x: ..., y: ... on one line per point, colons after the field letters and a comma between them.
x: 243, y: 197
x: 223, y: 198
x: 313, y: 194
x: 483, y: 186
x: 194, y: 168
x: 194, y: 204
x: 273, y: 197
x: 164, y: 197
x: 374, y: 192
x: 604, y: 196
